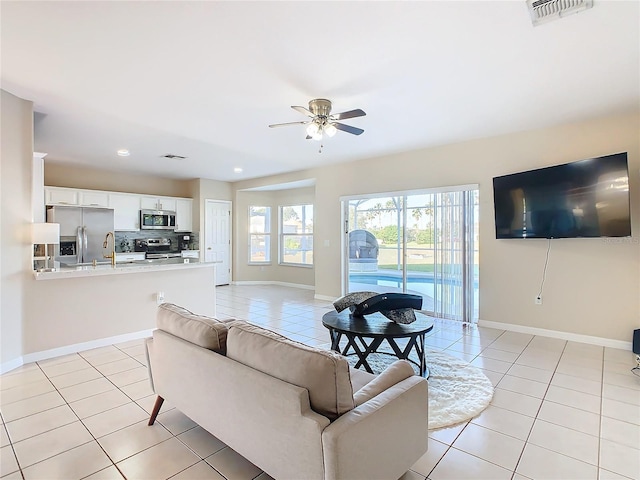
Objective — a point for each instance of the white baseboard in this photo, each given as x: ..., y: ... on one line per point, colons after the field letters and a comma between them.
x: 10, y: 365
x: 573, y: 337
x: 75, y: 348
x: 273, y: 282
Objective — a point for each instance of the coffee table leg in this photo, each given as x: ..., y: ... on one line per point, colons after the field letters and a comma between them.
x: 362, y: 354
x: 422, y: 355
x: 416, y: 343
x: 335, y: 340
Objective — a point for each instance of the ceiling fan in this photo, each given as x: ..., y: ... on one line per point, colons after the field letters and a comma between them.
x: 323, y: 122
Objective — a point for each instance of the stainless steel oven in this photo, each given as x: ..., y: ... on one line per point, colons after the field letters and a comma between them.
x: 156, y: 248
x: 157, y: 220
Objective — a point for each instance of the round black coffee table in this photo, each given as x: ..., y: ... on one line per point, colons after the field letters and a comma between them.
x: 366, y: 334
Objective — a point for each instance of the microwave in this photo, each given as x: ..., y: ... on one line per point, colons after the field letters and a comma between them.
x: 157, y: 220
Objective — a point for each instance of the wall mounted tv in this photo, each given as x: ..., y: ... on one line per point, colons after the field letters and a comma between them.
x: 588, y: 198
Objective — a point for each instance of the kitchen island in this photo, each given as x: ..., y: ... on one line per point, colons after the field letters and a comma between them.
x: 63, y: 271
x: 83, y: 307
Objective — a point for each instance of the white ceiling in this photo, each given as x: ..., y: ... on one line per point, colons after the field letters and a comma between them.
x: 204, y: 79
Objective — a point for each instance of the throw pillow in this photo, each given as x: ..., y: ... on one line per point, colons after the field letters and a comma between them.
x: 394, y: 373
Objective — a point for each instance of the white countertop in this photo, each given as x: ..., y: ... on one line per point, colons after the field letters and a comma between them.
x: 123, y: 268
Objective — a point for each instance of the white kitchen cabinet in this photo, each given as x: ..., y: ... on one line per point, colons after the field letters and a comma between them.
x: 88, y: 198
x: 61, y: 196
x: 148, y: 202
x: 76, y: 197
x: 184, y: 215
x: 126, y: 211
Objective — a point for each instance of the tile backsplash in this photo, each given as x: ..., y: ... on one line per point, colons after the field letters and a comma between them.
x: 125, y: 241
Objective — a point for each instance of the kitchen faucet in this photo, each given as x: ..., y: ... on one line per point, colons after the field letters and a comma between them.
x: 113, y: 248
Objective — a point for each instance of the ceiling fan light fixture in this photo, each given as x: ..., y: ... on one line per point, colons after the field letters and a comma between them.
x: 324, y: 123
x: 312, y: 129
x: 330, y: 129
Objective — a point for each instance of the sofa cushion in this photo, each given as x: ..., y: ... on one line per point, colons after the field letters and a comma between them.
x: 324, y: 373
x: 204, y: 331
x: 394, y: 373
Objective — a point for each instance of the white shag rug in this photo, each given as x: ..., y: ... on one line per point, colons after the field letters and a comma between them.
x: 457, y: 391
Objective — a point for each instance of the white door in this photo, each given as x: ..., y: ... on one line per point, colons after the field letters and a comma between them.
x: 217, y: 238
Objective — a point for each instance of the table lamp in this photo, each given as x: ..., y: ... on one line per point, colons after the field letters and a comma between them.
x: 45, y: 233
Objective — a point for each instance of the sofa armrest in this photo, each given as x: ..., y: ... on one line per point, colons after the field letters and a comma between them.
x: 394, y: 373
x: 383, y: 437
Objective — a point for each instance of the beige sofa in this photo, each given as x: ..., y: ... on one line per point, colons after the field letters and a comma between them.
x: 288, y: 408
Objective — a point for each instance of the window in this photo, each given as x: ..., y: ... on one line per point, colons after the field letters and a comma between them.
x: 424, y: 243
x: 296, y: 235
x: 259, y: 234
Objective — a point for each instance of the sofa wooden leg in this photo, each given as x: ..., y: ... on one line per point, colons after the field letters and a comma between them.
x: 156, y: 409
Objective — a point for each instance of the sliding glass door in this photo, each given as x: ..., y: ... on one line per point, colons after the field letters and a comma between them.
x: 421, y: 243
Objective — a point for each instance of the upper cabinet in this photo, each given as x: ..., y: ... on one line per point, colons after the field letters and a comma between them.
x: 61, y: 196
x: 148, y: 202
x: 126, y: 206
x: 93, y: 199
x: 126, y: 211
x: 73, y: 196
x: 184, y: 215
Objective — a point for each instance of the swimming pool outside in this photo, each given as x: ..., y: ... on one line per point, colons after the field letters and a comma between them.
x: 417, y: 283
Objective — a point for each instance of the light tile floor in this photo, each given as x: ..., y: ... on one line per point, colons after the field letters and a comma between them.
x: 561, y: 410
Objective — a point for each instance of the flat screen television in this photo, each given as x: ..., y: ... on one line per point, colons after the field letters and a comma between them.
x: 587, y: 198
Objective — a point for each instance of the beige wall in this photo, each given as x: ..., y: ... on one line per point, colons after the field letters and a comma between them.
x: 592, y: 285
x: 242, y: 271
x: 15, y: 215
x: 61, y: 175
x: 75, y: 310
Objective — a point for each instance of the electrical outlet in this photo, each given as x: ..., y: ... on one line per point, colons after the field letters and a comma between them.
x: 538, y: 300
x: 159, y: 298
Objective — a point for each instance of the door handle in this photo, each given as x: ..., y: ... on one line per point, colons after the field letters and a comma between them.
x: 208, y: 248
x: 79, y: 245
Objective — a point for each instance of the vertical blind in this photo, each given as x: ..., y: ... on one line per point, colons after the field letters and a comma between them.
x: 454, y: 275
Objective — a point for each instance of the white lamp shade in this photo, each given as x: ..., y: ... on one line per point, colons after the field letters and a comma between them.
x: 312, y: 129
x: 45, y: 233
x: 330, y: 129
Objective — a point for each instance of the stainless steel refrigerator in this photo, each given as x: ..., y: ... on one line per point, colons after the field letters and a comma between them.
x: 82, y: 233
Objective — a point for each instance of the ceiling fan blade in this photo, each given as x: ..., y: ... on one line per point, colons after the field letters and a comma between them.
x: 348, y: 128
x: 304, y: 111
x: 287, y: 124
x: 349, y: 114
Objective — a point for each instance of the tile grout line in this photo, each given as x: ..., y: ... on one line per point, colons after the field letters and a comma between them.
x: 526, y: 442
x: 74, y: 413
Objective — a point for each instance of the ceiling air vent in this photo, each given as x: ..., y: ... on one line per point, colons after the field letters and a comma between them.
x: 171, y: 156
x: 546, y: 10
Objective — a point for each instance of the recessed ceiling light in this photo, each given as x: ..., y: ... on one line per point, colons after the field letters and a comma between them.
x: 123, y: 152
x: 237, y: 170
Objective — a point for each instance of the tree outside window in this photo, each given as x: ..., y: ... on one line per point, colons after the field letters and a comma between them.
x: 296, y: 235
